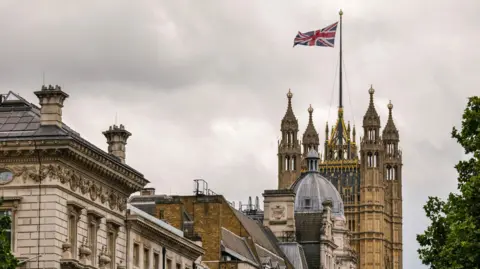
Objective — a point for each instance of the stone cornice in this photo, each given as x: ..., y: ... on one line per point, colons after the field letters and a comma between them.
x: 179, y: 244
x: 68, y: 148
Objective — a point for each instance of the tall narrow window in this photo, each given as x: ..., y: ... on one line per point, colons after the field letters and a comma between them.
x: 179, y: 266
x: 94, y: 220
x: 8, y: 230
x: 169, y: 264
x: 156, y: 261
x: 136, y: 254
x: 74, y: 210
x: 161, y: 214
x: 112, y: 234
x: 146, y: 258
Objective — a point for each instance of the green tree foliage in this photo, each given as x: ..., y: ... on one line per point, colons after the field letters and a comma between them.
x: 7, y: 260
x: 453, y: 239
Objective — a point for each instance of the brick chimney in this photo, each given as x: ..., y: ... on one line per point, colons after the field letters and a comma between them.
x: 117, y: 139
x: 51, y: 104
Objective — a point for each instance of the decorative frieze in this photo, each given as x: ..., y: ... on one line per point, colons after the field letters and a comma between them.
x: 74, y: 181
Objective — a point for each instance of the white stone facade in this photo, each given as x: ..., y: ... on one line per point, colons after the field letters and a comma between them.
x: 68, y: 198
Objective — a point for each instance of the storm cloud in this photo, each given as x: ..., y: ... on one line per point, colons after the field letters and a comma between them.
x: 202, y: 84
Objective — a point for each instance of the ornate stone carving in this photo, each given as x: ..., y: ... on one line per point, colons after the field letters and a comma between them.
x: 84, y: 184
x: 66, y: 250
x: 112, y: 200
x: 278, y: 212
x: 93, y: 192
x: 74, y: 181
x: 25, y: 172
x: 122, y: 204
x: 104, y: 258
x: 101, y: 194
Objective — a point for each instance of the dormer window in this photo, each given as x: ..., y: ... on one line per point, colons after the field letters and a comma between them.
x: 308, y: 203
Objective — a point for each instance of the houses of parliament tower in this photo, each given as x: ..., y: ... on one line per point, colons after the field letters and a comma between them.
x: 367, y: 175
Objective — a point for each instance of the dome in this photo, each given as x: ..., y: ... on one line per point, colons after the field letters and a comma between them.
x: 312, y: 190
x: 312, y: 154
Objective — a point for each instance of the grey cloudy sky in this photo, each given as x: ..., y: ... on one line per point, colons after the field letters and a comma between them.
x: 201, y: 84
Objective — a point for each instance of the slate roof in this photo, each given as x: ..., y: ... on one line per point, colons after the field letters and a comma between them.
x: 308, y: 227
x: 238, y: 245
x: 20, y: 119
x: 308, y: 231
x: 295, y: 254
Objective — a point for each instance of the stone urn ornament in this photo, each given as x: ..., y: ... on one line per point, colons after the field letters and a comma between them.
x: 104, y: 258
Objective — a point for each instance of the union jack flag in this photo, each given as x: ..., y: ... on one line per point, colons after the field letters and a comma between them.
x: 323, y: 38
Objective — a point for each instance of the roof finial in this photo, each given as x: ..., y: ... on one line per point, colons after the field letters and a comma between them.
x: 371, y: 90
x: 289, y: 94
x: 310, y: 110
x: 390, y: 106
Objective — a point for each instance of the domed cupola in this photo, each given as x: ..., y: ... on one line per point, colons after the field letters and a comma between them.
x: 313, y: 189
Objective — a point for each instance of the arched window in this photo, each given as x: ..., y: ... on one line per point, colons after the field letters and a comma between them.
x: 287, y: 163
x: 369, y: 159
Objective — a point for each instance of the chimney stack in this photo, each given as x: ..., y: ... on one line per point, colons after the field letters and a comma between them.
x: 117, y: 139
x: 147, y: 192
x: 51, y: 104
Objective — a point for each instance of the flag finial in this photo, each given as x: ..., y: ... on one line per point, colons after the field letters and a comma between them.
x: 340, y: 12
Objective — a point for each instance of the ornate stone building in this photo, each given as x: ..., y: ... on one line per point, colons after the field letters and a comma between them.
x: 68, y: 199
x: 310, y: 214
x: 368, y: 179
x: 231, y: 239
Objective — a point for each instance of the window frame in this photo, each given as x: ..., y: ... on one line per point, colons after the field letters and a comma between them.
x: 11, y: 203
x: 94, y: 219
x: 136, y: 254
x: 113, y: 229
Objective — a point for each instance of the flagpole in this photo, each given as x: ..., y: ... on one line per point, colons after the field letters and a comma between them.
x: 340, y: 97
x: 341, y: 63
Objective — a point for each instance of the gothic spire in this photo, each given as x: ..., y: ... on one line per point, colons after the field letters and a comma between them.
x: 390, y: 131
x: 289, y: 121
x: 310, y: 136
x: 371, y: 118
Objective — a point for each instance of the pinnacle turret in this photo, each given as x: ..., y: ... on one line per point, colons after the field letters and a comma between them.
x: 390, y: 131
x: 310, y: 136
x: 371, y: 118
x: 289, y: 121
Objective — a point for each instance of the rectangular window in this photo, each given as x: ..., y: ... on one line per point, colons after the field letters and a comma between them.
x: 111, y: 247
x: 169, y: 264
x: 8, y: 230
x: 136, y: 254
x: 156, y: 261
x: 179, y: 266
x: 307, y: 203
x: 92, y: 236
x: 146, y: 258
x: 72, y: 234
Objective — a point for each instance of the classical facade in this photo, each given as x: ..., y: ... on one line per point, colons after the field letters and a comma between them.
x: 368, y: 180
x: 68, y: 198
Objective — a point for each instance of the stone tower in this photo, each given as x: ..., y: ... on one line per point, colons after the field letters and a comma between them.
x: 310, y: 138
x: 370, y: 184
x: 372, y: 189
x: 289, y: 151
x: 393, y: 193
